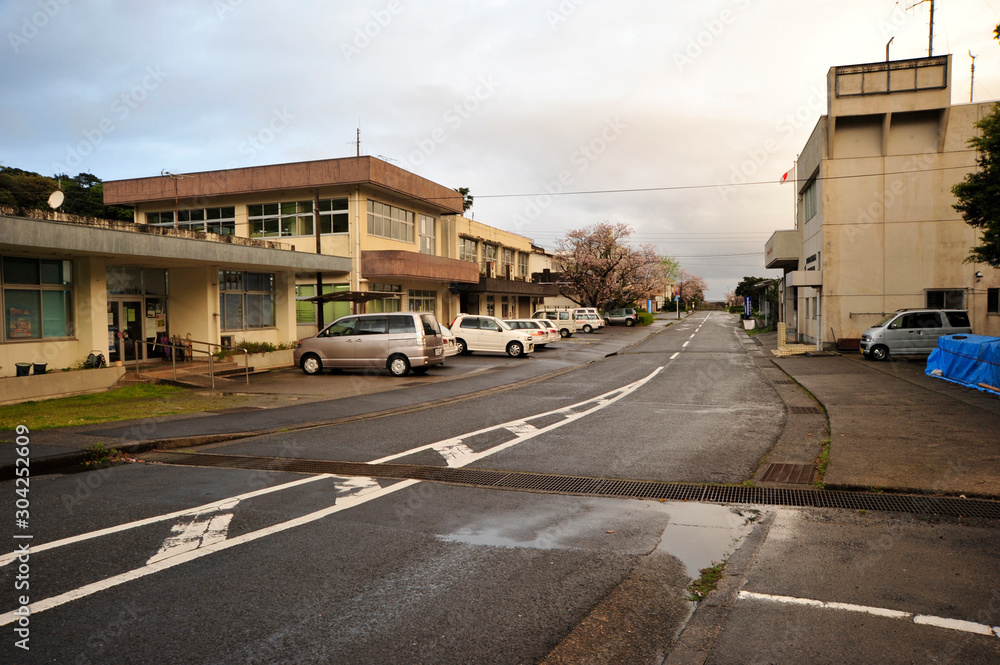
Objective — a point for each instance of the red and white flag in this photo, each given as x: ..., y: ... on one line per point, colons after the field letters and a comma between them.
x: 789, y: 176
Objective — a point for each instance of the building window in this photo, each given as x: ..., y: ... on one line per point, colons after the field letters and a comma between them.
x: 422, y: 301
x: 37, y: 298
x: 295, y: 218
x: 491, y: 306
x: 208, y: 220
x: 427, y: 237
x: 810, y: 202
x: 246, y: 300
x: 946, y: 299
x: 505, y: 311
x: 993, y: 301
x: 522, y: 265
x: 389, y: 303
x: 508, y: 263
x: 386, y: 221
x: 489, y: 256
x: 468, y: 250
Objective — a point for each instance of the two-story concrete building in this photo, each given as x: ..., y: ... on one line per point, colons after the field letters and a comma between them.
x: 875, y: 229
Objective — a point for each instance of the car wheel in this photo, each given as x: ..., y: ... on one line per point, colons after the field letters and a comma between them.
x: 311, y: 364
x: 399, y: 365
x: 515, y: 350
x: 630, y: 322
x: 565, y: 333
x: 463, y: 348
x: 588, y: 328
x: 879, y: 352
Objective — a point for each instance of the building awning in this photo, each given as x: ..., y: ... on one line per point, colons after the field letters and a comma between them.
x: 350, y: 296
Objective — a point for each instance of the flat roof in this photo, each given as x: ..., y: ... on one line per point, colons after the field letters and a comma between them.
x: 364, y: 170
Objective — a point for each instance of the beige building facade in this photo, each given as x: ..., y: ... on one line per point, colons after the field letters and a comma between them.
x: 875, y: 228
x: 402, y: 238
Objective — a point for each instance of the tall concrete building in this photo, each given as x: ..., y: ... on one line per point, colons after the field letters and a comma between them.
x: 875, y: 228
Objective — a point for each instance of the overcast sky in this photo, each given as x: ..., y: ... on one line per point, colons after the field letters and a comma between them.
x: 514, y: 99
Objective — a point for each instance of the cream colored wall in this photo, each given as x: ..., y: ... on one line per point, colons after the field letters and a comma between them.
x: 193, y: 303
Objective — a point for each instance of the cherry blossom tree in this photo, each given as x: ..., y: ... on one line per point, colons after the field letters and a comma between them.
x: 602, y: 269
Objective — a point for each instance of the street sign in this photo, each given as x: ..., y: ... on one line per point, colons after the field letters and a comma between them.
x: 677, y: 298
x: 748, y: 306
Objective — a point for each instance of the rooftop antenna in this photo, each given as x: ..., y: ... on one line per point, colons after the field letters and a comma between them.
x: 887, y: 48
x: 930, y: 31
x: 972, y: 76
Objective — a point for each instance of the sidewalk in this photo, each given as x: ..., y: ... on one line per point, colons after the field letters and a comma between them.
x: 894, y: 428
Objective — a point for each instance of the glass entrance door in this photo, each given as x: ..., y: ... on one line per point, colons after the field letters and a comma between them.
x: 125, y: 326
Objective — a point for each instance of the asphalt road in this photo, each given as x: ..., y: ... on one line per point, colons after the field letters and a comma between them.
x: 217, y: 565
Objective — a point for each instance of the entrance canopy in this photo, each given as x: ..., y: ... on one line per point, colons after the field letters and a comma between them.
x: 350, y: 296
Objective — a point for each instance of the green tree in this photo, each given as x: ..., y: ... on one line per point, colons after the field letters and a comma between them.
x: 979, y: 193
x: 758, y: 288
x: 467, y: 198
x: 84, y: 194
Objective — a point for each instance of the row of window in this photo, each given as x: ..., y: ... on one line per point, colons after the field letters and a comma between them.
x: 502, y: 258
x: 209, y: 220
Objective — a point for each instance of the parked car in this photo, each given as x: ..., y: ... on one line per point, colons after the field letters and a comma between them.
x: 621, y: 316
x: 563, y: 318
x: 448, y: 339
x: 912, y: 332
x: 539, y: 331
x: 554, y: 334
x: 487, y: 333
x: 399, y: 342
x: 591, y: 319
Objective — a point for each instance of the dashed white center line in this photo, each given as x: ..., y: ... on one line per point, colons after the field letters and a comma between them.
x: 675, y: 355
x: 685, y: 344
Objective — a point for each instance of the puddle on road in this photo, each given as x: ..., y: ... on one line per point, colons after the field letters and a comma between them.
x: 700, y: 534
x: 696, y: 534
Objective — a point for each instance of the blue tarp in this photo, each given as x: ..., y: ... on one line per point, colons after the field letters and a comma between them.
x: 971, y: 360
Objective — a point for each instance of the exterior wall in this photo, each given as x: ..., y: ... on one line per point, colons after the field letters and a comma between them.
x: 193, y: 303
x: 885, y: 231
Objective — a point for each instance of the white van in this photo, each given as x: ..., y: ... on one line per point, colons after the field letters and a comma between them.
x: 563, y: 318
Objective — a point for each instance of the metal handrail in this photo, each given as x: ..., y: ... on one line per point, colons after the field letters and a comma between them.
x: 246, y: 354
x: 173, y: 358
x: 184, y: 347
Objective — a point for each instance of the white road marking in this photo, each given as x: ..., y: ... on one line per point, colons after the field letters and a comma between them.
x: 521, y: 428
x: 205, y: 528
x: 453, y: 450
x: 922, y: 619
x: 685, y: 344
x: 693, y: 334
x: 7, y: 558
x: 359, y: 490
x: 675, y: 355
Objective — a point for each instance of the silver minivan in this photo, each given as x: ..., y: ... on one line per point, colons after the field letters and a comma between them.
x: 397, y: 341
x: 913, y: 332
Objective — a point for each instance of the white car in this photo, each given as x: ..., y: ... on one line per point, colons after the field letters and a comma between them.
x: 474, y: 332
x: 554, y: 334
x: 539, y: 331
x: 448, y: 341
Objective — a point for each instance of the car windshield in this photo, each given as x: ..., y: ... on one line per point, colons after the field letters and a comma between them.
x: 885, y: 321
x: 503, y: 324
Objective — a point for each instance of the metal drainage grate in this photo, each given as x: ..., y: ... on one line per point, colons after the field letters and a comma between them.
x: 803, y: 410
x: 636, y: 489
x: 793, y: 474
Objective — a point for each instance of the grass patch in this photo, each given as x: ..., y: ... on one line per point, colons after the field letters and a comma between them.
x: 126, y: 403
x: 97, y: 455
x: 645, y: 318
x: 822, y: 461
x: 706, y: 583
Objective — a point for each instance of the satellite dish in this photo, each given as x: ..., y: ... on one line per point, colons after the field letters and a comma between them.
x: 56, y: 199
